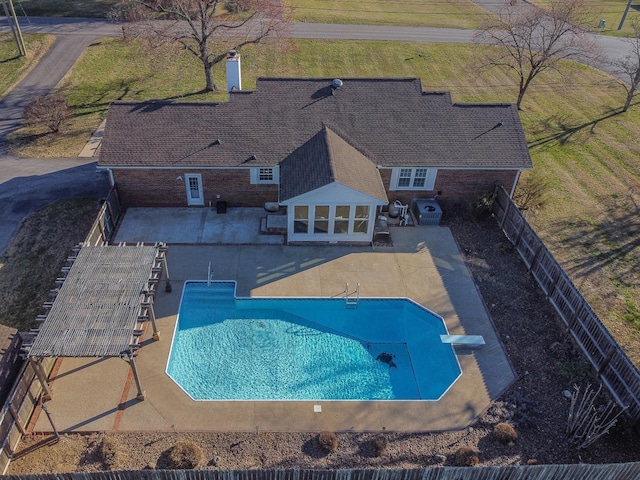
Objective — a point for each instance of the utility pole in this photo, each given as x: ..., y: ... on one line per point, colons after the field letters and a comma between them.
x: 12, y: 19
x: 624, y: 15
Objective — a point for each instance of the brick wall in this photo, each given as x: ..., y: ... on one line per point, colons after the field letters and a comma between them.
x: 163, y: 188
x: 459, y: 187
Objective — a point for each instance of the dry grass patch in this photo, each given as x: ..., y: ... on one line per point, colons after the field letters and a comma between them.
x: 33, y: 259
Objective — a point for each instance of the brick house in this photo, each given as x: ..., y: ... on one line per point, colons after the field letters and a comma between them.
x: 334, y: 152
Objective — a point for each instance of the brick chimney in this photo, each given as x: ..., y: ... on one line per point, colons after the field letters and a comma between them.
x: 234, y: 74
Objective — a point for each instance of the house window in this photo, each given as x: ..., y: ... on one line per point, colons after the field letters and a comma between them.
x: 301, y: 219
x: 267, y: 175
x: 341, y: 221
x: 361, y: 219
x: 413, y: 178
x: 321, y: 220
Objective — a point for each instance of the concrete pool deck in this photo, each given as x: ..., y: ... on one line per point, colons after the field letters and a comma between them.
x: 424, y: 264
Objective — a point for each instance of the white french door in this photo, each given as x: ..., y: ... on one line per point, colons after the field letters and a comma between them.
x: 195, y: 195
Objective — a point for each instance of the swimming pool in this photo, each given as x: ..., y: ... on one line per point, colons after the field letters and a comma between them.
x: 228, y: 348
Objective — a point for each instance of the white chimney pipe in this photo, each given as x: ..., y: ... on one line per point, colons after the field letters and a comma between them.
x: 234, y: 74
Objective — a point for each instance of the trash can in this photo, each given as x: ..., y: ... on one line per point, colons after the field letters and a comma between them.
x: 221, y: 206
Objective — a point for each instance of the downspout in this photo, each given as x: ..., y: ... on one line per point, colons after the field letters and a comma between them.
x: 515, y: 184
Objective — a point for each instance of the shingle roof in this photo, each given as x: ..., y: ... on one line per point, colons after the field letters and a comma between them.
x: 391, y: 121
x: 328, y: 158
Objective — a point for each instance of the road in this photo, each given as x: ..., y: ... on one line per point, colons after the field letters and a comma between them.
x: 24, y: 191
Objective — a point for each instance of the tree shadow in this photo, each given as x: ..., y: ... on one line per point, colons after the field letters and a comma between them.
x: 7, y: 60
x: 187, y: 95
x: 563, y: 130
x: 613, y: 241
x: 124, y: 89
x: 312, y: 449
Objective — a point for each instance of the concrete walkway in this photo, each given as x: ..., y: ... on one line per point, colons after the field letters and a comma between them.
x: 425, y: 264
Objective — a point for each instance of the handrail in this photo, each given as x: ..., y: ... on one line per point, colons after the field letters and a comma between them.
x: 349, y: 300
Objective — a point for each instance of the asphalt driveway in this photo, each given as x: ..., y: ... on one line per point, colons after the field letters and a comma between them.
x: 28, y: 184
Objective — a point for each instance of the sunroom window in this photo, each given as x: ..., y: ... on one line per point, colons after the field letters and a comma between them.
x: 301, y: 219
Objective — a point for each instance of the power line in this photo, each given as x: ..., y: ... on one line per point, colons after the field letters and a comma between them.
x: 12, y: 19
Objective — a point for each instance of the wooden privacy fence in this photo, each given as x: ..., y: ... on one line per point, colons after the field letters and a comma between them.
x: 18, y: 409
x: 612, y: 365
x: 618, y: 471
x: 106, y: 221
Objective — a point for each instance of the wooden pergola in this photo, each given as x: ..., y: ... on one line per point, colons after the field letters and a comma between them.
x: 101, y: 307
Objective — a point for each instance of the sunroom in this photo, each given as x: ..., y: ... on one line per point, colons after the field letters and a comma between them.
x: 332, y: 192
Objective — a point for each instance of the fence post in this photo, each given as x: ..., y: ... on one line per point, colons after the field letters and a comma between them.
x: 506, y: 213
x: 519, y: 235
x: 535, y: 255
x: 606, y: 361
x: 100, y: 227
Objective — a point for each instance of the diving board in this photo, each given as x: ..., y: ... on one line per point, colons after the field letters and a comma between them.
x: 468, y: 340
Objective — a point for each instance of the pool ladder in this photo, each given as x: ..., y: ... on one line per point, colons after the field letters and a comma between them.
x: 351, y: 301
x: 209, y: 275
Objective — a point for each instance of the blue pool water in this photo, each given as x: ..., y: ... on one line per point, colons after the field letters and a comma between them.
x: 228, y: 348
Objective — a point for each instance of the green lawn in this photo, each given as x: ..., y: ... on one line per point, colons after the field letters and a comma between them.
x: 64, y: 8
x: 12, y: 66
x: 426, y: 13
x: 587, y: 151
x: 611, y: 12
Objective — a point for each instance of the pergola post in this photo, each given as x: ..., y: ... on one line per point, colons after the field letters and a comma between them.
x: 132, y: 361
x: 165, y: 266
x: 36, y: 364
x: 16, y: 419
x: 152, y: 319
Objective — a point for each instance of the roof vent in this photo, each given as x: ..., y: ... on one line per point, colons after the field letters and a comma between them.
x: 336, y: 83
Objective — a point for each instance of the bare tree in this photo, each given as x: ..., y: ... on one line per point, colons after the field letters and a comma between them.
x: 629, y: 67
x: 49, y: 110
x: 206, y: 28
x: 531, y: 40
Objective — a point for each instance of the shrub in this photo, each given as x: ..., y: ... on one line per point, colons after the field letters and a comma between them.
x: 328, y: 441
x: 531, y: 192
x: 466, y: 457
x: 185, y: 455
x: 505, y: 433
x: 235, y: 6
x: 379, y: 444
x: 482, y: 207
x: 109, y: 451
x: 50, y: 111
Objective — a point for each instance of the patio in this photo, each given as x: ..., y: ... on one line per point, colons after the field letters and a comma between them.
x: 424, y: 264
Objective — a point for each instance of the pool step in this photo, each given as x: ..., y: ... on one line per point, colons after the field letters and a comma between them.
x: 217, y: 293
